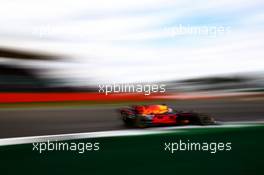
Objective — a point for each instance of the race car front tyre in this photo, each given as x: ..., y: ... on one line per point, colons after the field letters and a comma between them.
x: 204, y: 119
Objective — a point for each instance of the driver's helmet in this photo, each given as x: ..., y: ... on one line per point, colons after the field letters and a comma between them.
x: 153, y: 109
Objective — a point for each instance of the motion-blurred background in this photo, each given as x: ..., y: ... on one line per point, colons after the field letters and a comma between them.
x: 208, y: 53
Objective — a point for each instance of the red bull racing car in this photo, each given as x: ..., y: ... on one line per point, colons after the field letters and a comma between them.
x: 157, y: 115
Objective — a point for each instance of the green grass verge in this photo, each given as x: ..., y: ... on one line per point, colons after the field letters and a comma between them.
x: 146, y: 155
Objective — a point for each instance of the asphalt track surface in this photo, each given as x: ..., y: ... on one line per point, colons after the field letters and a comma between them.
x: 50, y: 121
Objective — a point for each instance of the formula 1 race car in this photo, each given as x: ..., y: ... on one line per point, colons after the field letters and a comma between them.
x: 157, y: 115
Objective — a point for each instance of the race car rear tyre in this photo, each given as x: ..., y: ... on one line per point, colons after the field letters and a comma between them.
x: 124, y: 118
x: 123, y: 115
x: 139, y: 123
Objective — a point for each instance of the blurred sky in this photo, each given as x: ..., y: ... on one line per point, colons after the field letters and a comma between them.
x: 121, y: 41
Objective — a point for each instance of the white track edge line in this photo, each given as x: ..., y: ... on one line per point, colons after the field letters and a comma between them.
x: 117, y: 133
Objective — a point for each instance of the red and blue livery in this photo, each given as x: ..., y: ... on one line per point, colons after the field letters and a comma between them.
x: 160, y: 115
